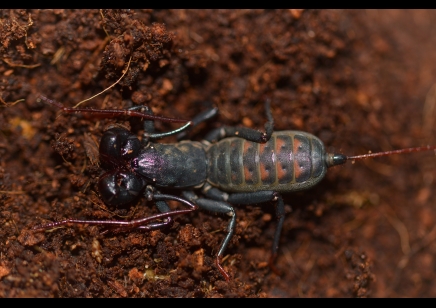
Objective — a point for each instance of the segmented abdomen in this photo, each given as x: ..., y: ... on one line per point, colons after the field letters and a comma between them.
x: 289, y: 161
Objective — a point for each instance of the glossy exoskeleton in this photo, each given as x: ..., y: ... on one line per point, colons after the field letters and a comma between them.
x: 230, y: 166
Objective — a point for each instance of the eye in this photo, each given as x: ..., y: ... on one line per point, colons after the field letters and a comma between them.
x: 120, y: 187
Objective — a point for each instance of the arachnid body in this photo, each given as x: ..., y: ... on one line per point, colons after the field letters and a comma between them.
x: 232, y: 166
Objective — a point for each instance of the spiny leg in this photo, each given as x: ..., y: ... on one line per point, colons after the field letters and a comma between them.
x: 220, y: 202
x: 253, y: 198
x: 199, y: 118
x: 220, y: 207
x: 149, y: 131
x: 261, y: 197
x: 245, y: 132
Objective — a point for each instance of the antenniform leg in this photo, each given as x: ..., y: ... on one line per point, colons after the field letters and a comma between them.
x: 146, y: 223
x: 111, y: 112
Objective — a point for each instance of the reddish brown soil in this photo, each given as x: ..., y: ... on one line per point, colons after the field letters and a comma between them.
x: 356, y: 79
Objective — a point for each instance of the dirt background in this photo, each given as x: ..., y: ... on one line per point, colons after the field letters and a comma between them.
x: 360, y: 80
